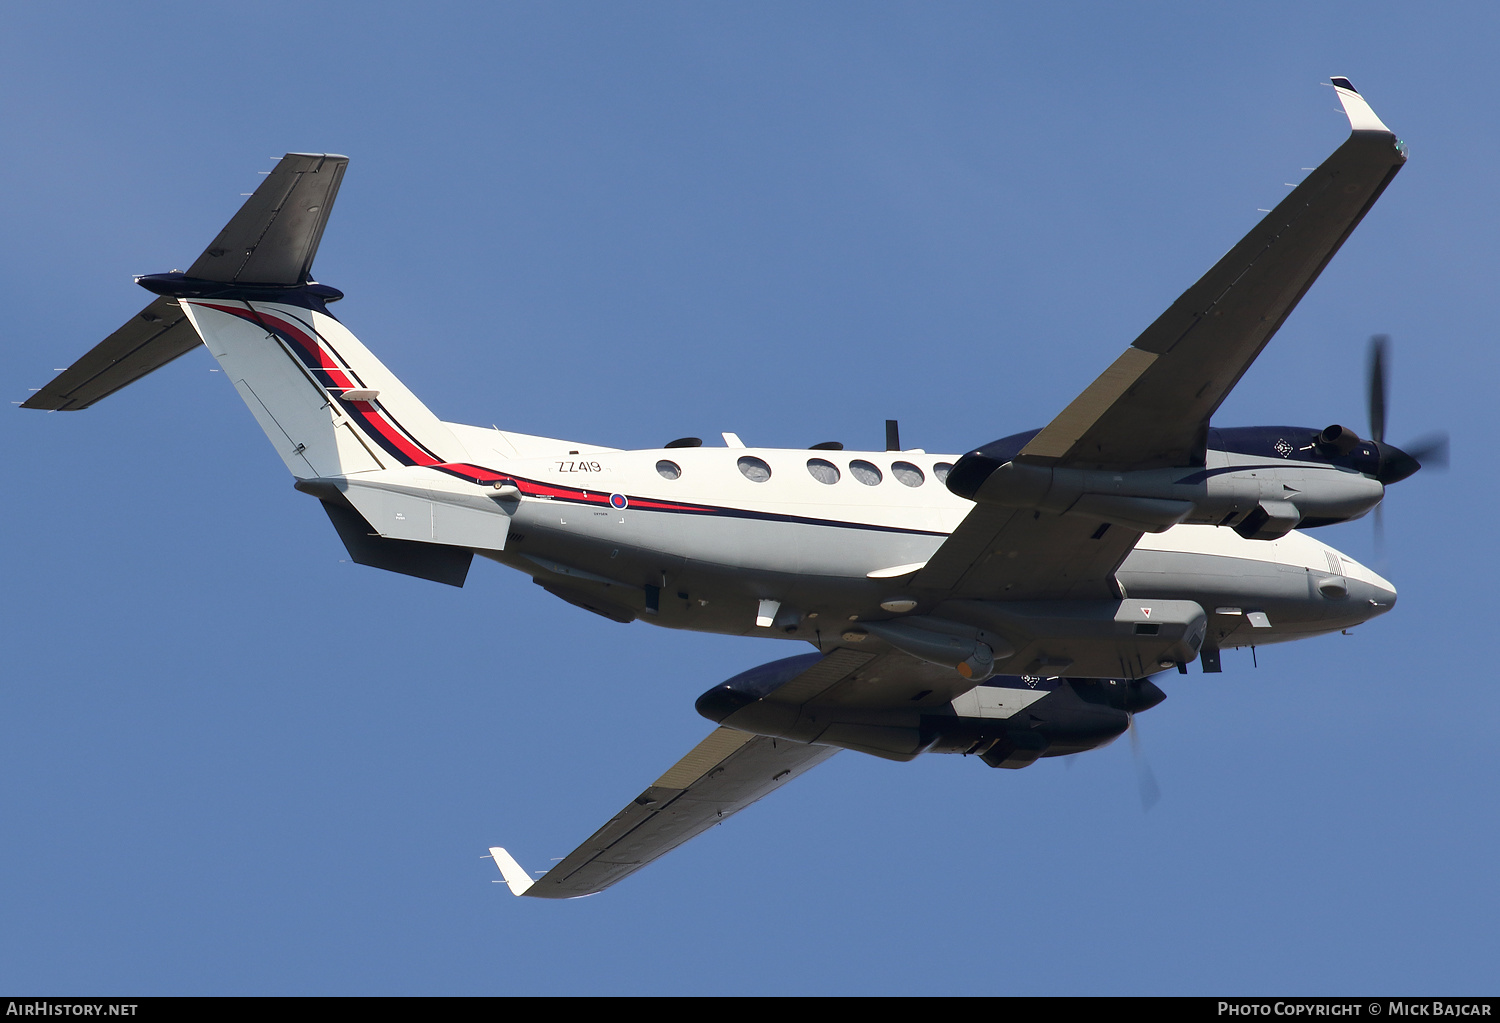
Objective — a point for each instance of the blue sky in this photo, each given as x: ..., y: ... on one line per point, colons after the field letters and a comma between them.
x: 234, y: 763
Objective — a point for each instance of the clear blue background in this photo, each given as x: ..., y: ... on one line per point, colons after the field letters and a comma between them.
x: 234, y: 763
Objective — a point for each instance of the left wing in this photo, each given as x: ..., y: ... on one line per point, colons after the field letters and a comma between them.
x: 723, y: 774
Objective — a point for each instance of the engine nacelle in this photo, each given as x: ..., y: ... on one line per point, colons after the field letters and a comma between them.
x: 1262, y: 501
x: 1008, y: 721
x: 1072, y: 716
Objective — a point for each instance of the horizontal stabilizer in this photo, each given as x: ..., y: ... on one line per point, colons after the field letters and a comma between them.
x: 152, y: 338
x: 275, y: 235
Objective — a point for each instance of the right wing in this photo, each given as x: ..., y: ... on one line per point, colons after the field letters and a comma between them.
x: 723, y: 774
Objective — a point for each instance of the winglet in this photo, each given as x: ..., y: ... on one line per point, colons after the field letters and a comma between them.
x: 1361, y: 117
x: 512, y: 871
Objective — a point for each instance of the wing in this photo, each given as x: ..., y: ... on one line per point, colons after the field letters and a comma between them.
x: 722, y: 775
x: 1151, y: 407
x: 815, y: 705
x: 1001, y: 553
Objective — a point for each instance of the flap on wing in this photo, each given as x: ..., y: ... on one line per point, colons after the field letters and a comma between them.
x: 152, y: 338
x: 722, y: 775
x: 999, y: 553
x: 1151, y: 407
x: 275, y: 235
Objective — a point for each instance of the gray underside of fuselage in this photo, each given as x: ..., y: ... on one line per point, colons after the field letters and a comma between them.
x: 1288, y: 595
x: 709, y: 573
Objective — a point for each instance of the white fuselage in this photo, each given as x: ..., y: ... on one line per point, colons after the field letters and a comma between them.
x: 715, y: 540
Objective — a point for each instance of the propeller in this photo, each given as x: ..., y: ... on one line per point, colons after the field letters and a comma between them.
x: 1394, y: 463
x: 1380, y: 346
x: 1145, y: 778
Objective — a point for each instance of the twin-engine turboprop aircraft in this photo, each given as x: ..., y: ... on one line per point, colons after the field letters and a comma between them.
x: 1010, y: 603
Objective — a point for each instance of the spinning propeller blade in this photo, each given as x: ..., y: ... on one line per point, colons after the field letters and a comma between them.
x: 1379, y: 345
x: 1145, y: 778
x: 1395, y: 464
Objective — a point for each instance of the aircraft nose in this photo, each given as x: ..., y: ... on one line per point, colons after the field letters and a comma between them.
x: 1376, y: 593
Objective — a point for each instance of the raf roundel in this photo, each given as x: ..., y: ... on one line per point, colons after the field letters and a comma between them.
x: 618, y: 501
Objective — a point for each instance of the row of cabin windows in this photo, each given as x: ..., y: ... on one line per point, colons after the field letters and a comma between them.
x: 757, y: 471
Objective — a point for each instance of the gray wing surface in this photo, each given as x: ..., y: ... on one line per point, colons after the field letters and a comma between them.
x: 722, y: 775
x: 999, y: 553
x: 152, y: 338
x: 735, y: 766
x: 1151, y: 407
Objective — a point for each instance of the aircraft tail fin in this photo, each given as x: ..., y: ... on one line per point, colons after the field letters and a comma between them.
x: 327, y: 404
x: 271, y: 240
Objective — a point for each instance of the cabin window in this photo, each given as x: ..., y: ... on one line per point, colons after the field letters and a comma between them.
x: 754, y: 470
x: 941, y: 471
x: 865, y: 473
x: 907, y: 474
x: 823, y: 471
x: 668, y: 470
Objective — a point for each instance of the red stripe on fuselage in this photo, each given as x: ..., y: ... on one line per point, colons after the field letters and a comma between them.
x: 397, y: 441
x: 532, y: 488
